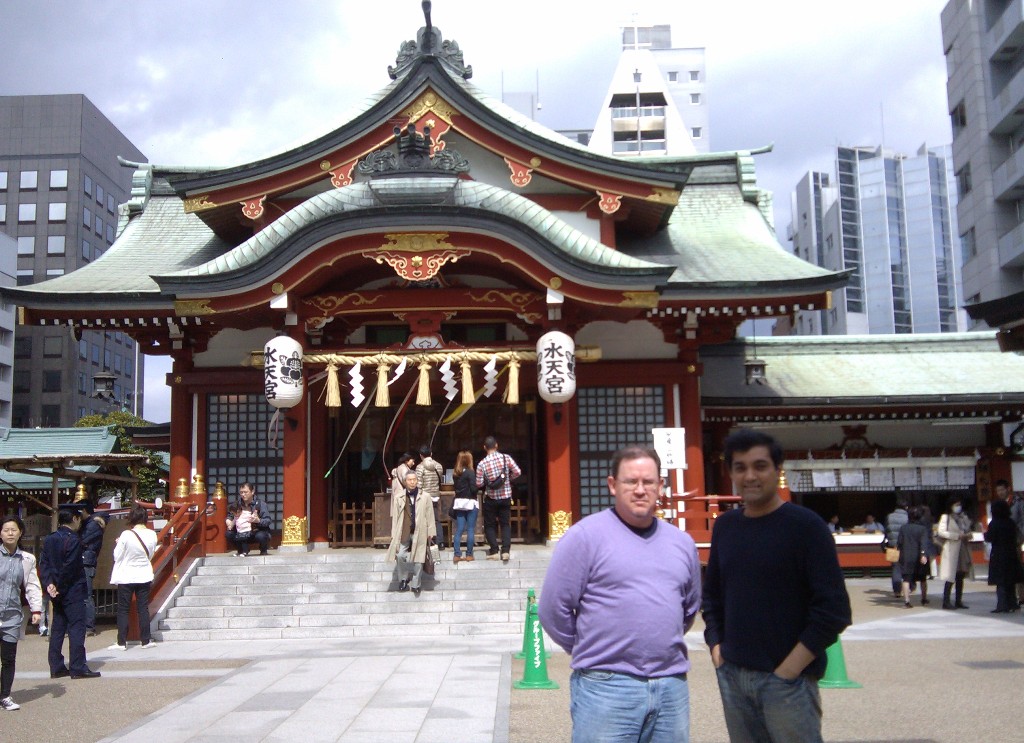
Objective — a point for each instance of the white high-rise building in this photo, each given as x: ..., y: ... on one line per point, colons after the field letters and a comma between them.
x: 889, y: 219
x: 657, y: 100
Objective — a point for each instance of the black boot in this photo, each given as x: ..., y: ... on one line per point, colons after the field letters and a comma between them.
x: 946, y: 604
x: 960, y: 592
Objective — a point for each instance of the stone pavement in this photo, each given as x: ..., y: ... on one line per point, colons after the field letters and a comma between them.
x: 928, y: 675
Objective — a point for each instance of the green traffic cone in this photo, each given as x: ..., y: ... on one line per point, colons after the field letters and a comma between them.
x: 531, y: 598
x: 835, y: 671
x: 535, y: 671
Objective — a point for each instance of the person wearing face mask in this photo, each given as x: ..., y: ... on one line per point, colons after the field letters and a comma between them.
x: 954, y: 531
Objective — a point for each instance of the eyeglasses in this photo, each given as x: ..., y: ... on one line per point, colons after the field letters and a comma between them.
x: 648, y: 485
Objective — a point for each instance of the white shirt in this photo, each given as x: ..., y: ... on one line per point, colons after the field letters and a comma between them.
x: 132, y: 561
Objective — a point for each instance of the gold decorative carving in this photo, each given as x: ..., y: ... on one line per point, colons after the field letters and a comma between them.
x: 534, y: 162
x: 198, y: 204
x: 277, y: 288
x: 331, y: 303
x: 556, y: 282
x: 558, y: 524
x: 177, y: 380
x: 437, y: 252
x: 430, y: 101
x: 193, y: 307
x: 639, y: 299
x: 610, y: 202
x: 325, y: 165
x: 664, y: 196
x: 493, y: 296
x: 293, y: 532
x: 417, y: 242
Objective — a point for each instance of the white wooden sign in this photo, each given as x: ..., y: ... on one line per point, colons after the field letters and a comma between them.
x: 670, y: 443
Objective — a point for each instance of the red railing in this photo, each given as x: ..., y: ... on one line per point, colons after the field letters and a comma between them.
x: 178, y: 544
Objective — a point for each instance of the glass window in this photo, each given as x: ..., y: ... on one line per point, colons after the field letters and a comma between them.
x: 697, y: 132
x: 106, y: 359
x: 29, y: 180
x: 22, y: 348
x: 963, y: 180
x: 83, y: 384
x: 55, y: 272
x: 26, y: 246
x: 99, y: 194
x: 673, y: 76
x: 50, y: 416
x: 58, y: 212
x: 53, y: 346
x: 117, y: 363
x: 110, y: 233
x: 83, y: 349
x: 58, y: 180
x: 95, y: 354
x: 55, y: 245
x: 3, y: 180
x: 86, y: 249
x: 111, y: 204
x: 25, y: 276
x: 88, y: 185
x: 87, y: 217
x: 99, y: 226
x: 695, y: 98
x: 127, y: 366
x: 26, y: 212
x: 22, y: 381
x: 3, y: 213
x: 694, y: 75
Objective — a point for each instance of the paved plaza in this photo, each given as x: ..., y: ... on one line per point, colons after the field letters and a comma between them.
x: 927, y: 675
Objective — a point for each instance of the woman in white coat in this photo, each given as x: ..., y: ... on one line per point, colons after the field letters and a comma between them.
x: 17, y: 574
x: 955, y: 532
x: 412, y: 532
x: 133, y: 576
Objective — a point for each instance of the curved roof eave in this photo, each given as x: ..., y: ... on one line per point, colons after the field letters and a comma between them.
x: 472, y: 205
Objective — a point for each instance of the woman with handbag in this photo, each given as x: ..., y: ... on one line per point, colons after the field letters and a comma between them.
x: 1004, y: 567
x: 17, y: 576
x: 915, y: 544
x: 133, y: 576
x: 465, y: 508
x: 412, y: 533
x: 954, y: 531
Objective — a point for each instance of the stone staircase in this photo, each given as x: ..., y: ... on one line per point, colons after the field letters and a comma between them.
x: 350, y: 593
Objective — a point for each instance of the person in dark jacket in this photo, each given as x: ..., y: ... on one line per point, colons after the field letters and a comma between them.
x: 1004, y: 567
x: 63, y: 577
x: 893, y: 523
x: 248, y: 521
x: 92, y: 541
x: 915, y: 543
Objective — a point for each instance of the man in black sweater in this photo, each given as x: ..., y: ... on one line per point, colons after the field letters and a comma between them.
x: 774, y: 600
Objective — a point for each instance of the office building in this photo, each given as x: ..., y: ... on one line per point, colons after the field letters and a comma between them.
x: 889, y: 219
x: 984, y: 48
x: 60, y: 187
x: 8, y: 260
x: 657, y: 100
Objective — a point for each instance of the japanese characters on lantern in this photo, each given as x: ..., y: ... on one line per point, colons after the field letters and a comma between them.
x: 556, y: 367
x: 282, y: 371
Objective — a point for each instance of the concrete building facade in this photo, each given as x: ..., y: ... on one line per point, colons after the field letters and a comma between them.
x: 890, y: 220
x: 984, y: 48
x: 60, y: 189
x: 657, y: 100
x: 8, y: 261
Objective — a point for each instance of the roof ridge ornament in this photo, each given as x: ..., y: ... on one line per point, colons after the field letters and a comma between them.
x: 430, y: 43
x: 413, y: 157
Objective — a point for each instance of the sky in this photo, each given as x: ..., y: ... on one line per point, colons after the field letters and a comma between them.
x: 215, y: 82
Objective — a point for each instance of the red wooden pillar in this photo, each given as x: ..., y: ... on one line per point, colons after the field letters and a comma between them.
x: 690, y: 420
x: 559, y: 424
x: 295, y: 525
x: 181, y: 421
x: 317, y: 455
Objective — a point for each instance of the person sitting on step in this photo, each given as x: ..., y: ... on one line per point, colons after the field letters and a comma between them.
x: 248, y: 521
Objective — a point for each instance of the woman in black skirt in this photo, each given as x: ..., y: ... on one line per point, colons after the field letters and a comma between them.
x: 914, y: 541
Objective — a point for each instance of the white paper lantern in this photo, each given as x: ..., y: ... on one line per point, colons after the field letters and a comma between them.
x: 556, y: 367
x: 282, y: 372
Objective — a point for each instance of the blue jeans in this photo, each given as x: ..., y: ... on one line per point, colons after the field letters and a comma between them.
x: 465, y: 521
x: 612, y: 707
x: 760, y: 707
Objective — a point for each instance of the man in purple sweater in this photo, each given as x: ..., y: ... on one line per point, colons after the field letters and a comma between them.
x: 774, y: 600
x: 621, y: 591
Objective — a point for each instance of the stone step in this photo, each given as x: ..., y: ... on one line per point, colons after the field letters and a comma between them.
x: 458, y: 611
x: 503, y: 637
x: 369, y: 602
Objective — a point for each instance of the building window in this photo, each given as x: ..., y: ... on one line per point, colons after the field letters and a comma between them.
x: 88, y: 186
x: 95, y: 354
x: 51, y: 272
x: 51, y: 416
x: 99, y: 226
x: 127, y: 366
x: 110, y: 233
x: 58, y: 180
x: 58, y: 212
x: 87, y: 217
x: 26, y: 212
x: 696, y: 132
x: 86, y: 250
x: 26, y: 245
x: 111, y: 204
x: 673, y: 76
x: 29, y: 180
x: 55, y: 245
x: 99, y: 194
x: 22, y: 381
x: 106, y: 359
x: 694, y: 76
x: 22, y: 348
x: 963, y: 179
x: 53, y: 347
x: 25, y: 276
x: 695, y: 98
x: 968, y: 246
x: 83, y: 350
x: 3, y: 213
x: 117, y: 363
x: 958, y: 118
x: 3, y: 180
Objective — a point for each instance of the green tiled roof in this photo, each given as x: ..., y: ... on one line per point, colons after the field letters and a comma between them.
x: 871, y: 369
x: 27, y: 442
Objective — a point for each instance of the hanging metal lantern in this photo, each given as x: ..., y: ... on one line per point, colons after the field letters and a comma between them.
x: 282, y: 372
x: 556, y: 367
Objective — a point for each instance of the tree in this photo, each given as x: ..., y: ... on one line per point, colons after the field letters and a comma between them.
x: 150, y: 485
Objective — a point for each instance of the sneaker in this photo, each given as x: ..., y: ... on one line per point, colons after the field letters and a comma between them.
x: 8, y: 704
x: 43, y: 632
x: 504, y: 556
x: 149, y: 645
x: 243, y: 554
x: 495, y: 556
x: 115, y: 646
